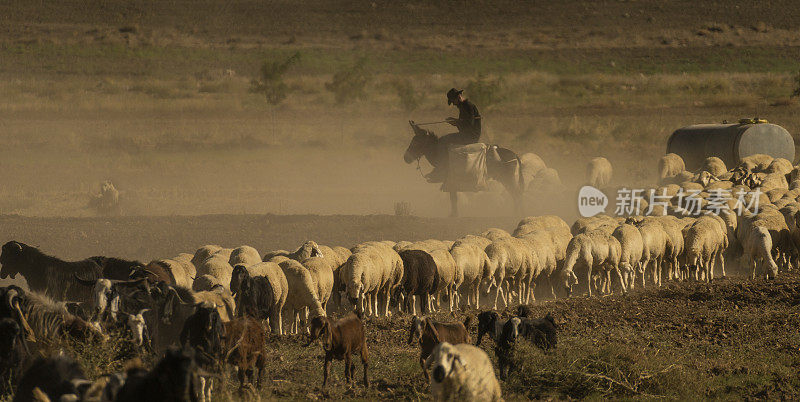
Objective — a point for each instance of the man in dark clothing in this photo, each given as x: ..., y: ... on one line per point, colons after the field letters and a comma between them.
x: 469, y: 131
x: 468, y: 121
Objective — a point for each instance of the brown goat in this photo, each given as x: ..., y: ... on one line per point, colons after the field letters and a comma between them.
x: 430, y: 333
x: 245, y: 340
x: 341, y: 339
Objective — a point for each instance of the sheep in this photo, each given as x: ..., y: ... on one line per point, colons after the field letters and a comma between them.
x: 512, y: 260
x: 175, y: 269
x: 218, y: 267
x: 549, y: 249
x: 462, y: 372
x: 705, y: 240
x: 654, y: 241
x: 401, y: 245
x: 469, y: 253
x: 420, y: 278
x: 532, y: 164
x: 759, y: 162
x: 306, y: 250
x: 585, y: 224
x: 373, y: 268
x: 674, y: 243
x: 447, y: 272
x: 757, y: 246
x: 495, y: 234
x: 780, y: 166
x: 632, y: 247
x: 205, y: 282
x: 429, y: 333
x: 280, y: 291
x: 546, y: 181
x: 224, y: 253
x: 545, y: 222
x: 598, y: 251
x: 245, y: 346
x: 713, y: 165
x: 244, y: 255
x: 302, y: 293
x: 669, y: 166
x: 598, y: 172
x: 340, y: 339
x: 322, y: 274
x: 203, y: 253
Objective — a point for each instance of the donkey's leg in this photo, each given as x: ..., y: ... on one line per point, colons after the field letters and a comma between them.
x: 453, y: 204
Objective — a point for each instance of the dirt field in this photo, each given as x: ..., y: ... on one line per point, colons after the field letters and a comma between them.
x: 156, y: 96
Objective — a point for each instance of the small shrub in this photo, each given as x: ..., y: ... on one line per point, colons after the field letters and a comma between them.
x: 410, y: 98
x: 270, y: 82
x: 350, y: 83
x: 484, y: 91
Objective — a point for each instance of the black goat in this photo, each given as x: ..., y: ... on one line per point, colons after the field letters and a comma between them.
x: 55, y: 376
x: 13, y: 352
x: 48, y: 274
x: 172, y: 379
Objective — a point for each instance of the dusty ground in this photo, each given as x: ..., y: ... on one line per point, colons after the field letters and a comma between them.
x: 155, y: 96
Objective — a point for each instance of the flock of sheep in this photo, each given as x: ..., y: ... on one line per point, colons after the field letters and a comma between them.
x: 543, y: 256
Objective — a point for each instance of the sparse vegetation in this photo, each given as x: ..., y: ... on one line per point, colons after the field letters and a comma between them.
x: 485, y: 91
x: 350, y: 83
x: 410, y: 98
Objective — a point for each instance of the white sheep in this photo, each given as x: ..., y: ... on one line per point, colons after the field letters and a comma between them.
x: 469, y: 253
x: 280, y: 291
x: 244, y: 255
x: 670, y: 165
x: 597, y: 251
x: 302, y: 293
x: 462, y: 372
x: 373, y: 268
x: 654, y: 240
x: 598, y: 172
x: 705, y: 240
x: 322, y: 273
x: 713, y: 165
x: 631, y: 253
x: 218, y: 267
x: 203, y: 253
x: 544, y: 222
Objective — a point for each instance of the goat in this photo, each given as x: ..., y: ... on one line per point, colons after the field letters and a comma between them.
x: 172, y: 379
x: 245, y: 340
x: 13, y: 352
x: 504, y: 346
x: 56, y: 377
x: 341, y: 339
x: 203, y: 331
x: 430, y: 333
x: 540, y: 331
x: 489, y: 322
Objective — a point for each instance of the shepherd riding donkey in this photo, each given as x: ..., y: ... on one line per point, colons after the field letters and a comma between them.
x: 460, y: 162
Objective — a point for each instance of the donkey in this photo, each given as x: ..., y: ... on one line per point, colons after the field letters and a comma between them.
x: 502, y: 164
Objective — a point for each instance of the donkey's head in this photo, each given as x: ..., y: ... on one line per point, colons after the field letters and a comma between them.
x: 422, y: 143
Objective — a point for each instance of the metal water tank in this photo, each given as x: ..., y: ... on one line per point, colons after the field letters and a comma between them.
x: 730, y: 142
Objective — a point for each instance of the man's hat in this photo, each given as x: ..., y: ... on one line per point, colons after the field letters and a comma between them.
x: 452, y: 95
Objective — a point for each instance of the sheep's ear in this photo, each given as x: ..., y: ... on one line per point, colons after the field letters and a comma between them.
x: 457, y: 358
